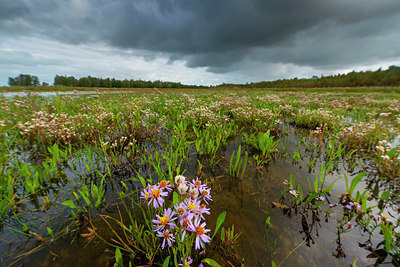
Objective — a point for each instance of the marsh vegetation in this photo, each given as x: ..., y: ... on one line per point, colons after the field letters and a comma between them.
x: 228, y: 177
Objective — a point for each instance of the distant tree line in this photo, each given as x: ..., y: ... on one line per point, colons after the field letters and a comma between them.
x: 24, y: 80
x: 389, y: 77
x: 114, y: 83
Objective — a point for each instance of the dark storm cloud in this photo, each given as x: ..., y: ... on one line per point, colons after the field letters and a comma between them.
x: 220, y: 34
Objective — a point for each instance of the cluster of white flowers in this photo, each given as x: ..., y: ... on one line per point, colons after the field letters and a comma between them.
x: 383, y: 147
x: 360, y: 129
x: 48, y: 125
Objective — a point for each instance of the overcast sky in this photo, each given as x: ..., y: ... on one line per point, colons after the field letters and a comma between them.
x: 196, y: 41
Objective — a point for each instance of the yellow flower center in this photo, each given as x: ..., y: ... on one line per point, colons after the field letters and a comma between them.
x: 163, y: 183
x: 164, y: 220
x: 187, y: 264
x: 155, y: 193
x: 384, y: 217
x: 192, y: 206
x: 204, y: 193
x: 146, y: 196
x: 199, y: 230
x: 181, y: 212
x: 198, y: 183
x: 185, y: 223
x: 166, y: 234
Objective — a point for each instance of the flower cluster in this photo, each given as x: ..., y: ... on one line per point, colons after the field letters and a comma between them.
x: 184, y: 218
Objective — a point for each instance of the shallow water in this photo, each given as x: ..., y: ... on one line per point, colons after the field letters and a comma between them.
x: 55, y: 93
x: 246, y: 201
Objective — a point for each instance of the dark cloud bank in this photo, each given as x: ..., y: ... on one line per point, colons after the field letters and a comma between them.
x: 220, y: 35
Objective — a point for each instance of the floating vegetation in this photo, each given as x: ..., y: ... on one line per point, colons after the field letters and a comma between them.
x: 171, y: 177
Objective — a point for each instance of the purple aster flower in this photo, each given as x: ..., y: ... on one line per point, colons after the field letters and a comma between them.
x: 350, y: 225
x: 167, y: 237
x: 156, y: 197
x: 181, y: 210
x: 202, y: 210
x: 349, y: 207
x: 186, y: 262
x: 165, y: 185
x: 200, y: 231
x: 145, y: 193
x: 186, y: 223
x: 294, y: 193
x: 330, y: 205
x: 196, y: 183
x: 192, y: 205
x: 165, y: 221
x: 205, y: 193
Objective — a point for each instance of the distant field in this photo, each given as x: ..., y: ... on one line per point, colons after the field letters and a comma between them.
x: 326, y: 89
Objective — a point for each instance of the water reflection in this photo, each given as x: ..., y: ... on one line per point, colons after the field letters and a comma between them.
x: 294, y: 238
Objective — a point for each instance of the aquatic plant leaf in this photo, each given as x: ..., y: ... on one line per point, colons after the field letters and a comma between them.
x: 118, y: 259
x: 311, y: 197
x: 220, y: 220
x: 329, y: 188
x: 392, y: 152
x: 268, y: 223
x: 69, y: 203
x: 166, y: 262
x: 211, y: 262
x: 385, y: 195
x: 24, y: 228
x: 222, y: 234
x: 51, y: 233
x: 364, y: 203
x: 175, y: 198
x: 355, y: 182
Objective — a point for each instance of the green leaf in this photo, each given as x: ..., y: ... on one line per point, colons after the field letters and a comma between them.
x: 142, y: 181
x: 316, y: 184
x: 355, y: 182
x: 166, y: 262
x: 291, y: 180
x: 268, y: 223
x: 118, y: 259
x: 364, y: 203
x: 331, y: 186
x: 311, y: 197
x: 392, y: 152
x: 385, y: 195
x: 273, y: 264
x: 300, y: 191
x: 175, y: 198
x: 220, y: 220
x: 211, y: 262
x: 85, y: 197
x: 24, y: 228
x: 69, y: 203
x: 51, y: 233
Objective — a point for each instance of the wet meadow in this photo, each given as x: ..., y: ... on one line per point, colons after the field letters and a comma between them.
x: 212, y: 177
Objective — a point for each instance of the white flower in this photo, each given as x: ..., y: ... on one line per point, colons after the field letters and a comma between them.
x: 182, y: 188
x: 179, y: 179
x: 193, y: 192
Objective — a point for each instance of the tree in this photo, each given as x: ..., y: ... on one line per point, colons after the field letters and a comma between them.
x: 24, y: 80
